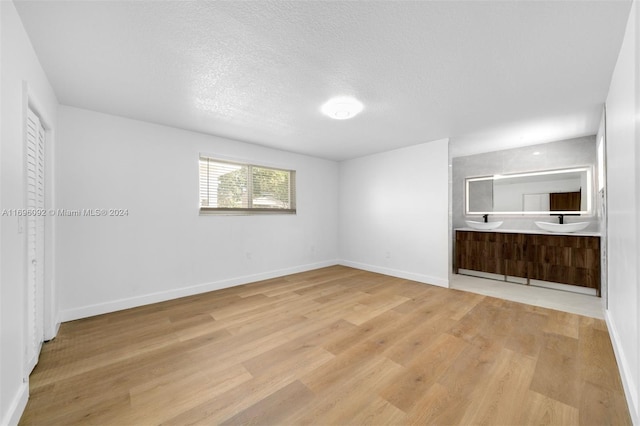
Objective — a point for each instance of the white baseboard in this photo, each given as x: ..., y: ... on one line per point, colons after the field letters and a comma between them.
x: 426, y: 279
x: 132, y: 302
x: 17, y: 406
x: 52, y: 332
x: 630, y: 387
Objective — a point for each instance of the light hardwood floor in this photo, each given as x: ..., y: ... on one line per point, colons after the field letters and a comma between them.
x: 331, y: 346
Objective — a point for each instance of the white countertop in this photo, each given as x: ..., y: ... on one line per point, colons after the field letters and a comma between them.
x: 532, y: 231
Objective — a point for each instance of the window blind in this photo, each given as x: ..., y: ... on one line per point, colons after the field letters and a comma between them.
x: 228, y: 187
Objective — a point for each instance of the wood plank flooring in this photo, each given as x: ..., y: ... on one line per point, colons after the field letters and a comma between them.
x: 331, y: 346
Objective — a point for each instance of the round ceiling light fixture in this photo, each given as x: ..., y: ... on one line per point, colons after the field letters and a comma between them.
x: 342, y: 108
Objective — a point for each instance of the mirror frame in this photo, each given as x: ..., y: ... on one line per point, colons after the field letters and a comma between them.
x: 589, y: 192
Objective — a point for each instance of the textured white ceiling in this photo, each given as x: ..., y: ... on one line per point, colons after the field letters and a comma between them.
x: 259, y: 71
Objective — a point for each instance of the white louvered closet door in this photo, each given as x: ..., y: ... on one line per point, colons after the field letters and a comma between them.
x: 35, y: 239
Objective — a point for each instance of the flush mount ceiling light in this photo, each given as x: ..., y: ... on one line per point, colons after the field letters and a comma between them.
x: 342, y: 108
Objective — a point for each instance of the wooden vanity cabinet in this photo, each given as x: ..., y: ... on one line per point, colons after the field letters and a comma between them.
x: 564, y: 259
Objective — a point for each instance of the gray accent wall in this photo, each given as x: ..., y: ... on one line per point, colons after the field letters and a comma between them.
x: 554, y: 155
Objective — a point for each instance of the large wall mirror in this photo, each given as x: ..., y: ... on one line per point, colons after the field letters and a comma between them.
x: 566, y: 191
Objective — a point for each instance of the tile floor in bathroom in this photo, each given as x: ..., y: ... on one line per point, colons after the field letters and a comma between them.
x: 581, y: 304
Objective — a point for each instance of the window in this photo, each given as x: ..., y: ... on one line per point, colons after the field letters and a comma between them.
x: 236, y: 188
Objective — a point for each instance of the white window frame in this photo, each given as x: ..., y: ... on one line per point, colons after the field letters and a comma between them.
x: 204, y: 210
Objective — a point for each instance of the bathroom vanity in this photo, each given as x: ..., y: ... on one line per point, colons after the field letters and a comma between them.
x: 525, y: 215
x: 530, y: 257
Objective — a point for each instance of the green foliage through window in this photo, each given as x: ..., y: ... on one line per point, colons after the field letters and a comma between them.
x: 235, y: 187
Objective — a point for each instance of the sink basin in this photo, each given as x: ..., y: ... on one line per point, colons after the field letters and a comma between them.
x: 565, y: 227
x: 483, y: 225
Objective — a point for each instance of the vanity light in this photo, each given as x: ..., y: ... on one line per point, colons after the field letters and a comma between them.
x: 342, y: 108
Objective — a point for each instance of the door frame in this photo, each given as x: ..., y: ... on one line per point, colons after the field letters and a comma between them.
x: 50, y: 311
x: 601, y: 138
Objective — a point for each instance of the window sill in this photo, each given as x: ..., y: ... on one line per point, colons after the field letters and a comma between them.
x: 244, y: 212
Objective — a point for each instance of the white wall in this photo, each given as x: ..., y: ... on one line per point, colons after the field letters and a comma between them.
x: 163, y: 248
x: 19, y: 64
x: 394, y: 212
x: 623, y: 199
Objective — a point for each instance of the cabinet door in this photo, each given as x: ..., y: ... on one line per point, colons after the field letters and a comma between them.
x: 480, y: 251
x: 564, y: 259
x: 515, y: 255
